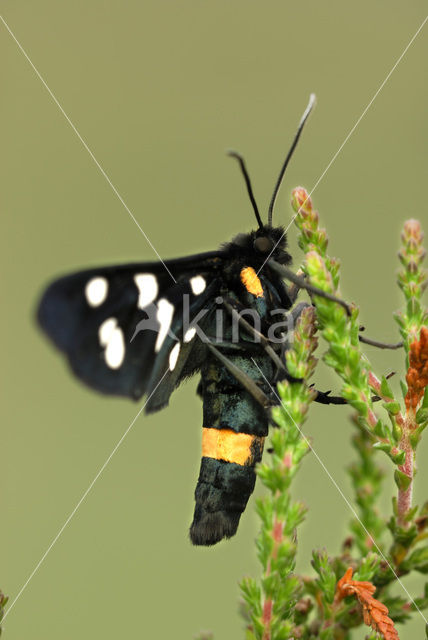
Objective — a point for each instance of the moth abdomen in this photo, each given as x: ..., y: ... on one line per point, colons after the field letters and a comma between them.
x: 221, y: 496
x: 235, y: 427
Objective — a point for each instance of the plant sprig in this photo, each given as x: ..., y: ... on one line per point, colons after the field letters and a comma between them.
x: 329, y: 604
x: 3, y: 602
x: 397, y: 436
x: 272, y: 601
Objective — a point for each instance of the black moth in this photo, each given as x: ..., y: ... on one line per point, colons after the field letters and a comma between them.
x: 140, y: 329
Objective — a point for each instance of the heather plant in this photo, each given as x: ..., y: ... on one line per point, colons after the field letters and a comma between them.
x: 352, y: 587
x: 3, y: 602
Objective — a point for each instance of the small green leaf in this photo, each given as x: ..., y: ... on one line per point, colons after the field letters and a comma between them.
x: 392, y: 407
x: 368, y: 567
x: 383, y: 446
x: 418, y: 561
x: 425, y: 400
x: 380, y: 429
x: 395, y: 506
x: 411, y: 513
x: 397, y: 432
x: 402, y: 480
x: 403, y: 388
x: 327, y: 634
x: 399, y: 458
x: 422, y: 415
x: 385, y: 388
x: 402, y: 536
x: 416, y: 435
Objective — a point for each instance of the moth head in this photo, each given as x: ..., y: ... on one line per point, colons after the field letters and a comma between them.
x: 260, y: 242
x: 261, y: 245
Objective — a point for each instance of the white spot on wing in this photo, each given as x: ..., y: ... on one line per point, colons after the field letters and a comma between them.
x: 105, y: 330
x: 190, y: 334
x: 147, y: 288
x: 173, y: 356
x: 111, y: 337
x: 115, y: 350
x: 164, y: 317
x: 96, y: 291
x: 198, y: 284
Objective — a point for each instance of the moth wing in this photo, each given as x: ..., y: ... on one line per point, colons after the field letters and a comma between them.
x: 183, y: 351
x: 93, y: 316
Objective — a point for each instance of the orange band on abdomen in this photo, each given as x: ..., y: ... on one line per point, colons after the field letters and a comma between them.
x: 251, y: 282
x: 227, y: 445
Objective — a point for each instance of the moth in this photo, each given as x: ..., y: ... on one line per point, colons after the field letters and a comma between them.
x: 142, y: 328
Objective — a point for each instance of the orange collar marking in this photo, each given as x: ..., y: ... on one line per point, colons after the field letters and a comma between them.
x: 225, y: 444
x: 251, y: 282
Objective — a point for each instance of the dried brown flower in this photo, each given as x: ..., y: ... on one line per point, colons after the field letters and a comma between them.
x: 375, y: 614
x: 417, y: 374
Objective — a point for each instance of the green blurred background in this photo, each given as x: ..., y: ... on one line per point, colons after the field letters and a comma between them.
x: 159, y: 91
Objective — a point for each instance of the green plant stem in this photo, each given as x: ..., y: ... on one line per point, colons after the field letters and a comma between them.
x: 412, y: 280
x: 282, y: 606
x: 270, y: 603
x: 3, y: 602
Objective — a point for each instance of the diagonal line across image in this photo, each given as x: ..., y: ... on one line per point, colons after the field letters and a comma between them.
x: 103, y: 172
x: 348, y: 503
x: 397, y: 62
x: 78, y: 504
x: 89, y: 151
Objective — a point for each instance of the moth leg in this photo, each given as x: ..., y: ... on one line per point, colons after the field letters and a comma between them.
x: 324, y: 397
x: 242, y: 377
x: 228, y: 345
x: 293, y: 290
x: 295, y: 314
x: 380, y: 345
x: 248, y: 383
x: 200, y: 389
x: 303, y: 284
x: 242, y: 346
x: 231, y: 307
x: 282, y: 373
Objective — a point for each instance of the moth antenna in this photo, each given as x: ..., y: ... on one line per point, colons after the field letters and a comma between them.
x: 240, y: 159
x: 303, y: 119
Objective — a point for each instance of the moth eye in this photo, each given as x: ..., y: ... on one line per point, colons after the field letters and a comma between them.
x: 263, y: 244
